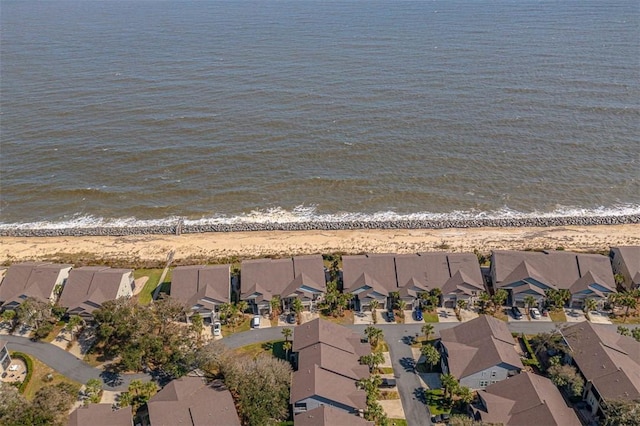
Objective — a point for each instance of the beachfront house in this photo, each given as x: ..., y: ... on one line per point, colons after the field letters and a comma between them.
x: 608, y: 361
x: 479, y: 352
x: 382, y: 277
x: 524, y: 399
x: 625, y: 262
x: 202, y: 289
x: 300, y: 277
x: 525, y: 273
x: 40, y: 280
x: 87, y: 288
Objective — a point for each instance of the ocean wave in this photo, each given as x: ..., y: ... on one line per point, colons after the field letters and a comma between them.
x: 309, y: 214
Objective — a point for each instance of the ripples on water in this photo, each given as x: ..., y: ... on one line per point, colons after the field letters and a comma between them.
x: 152, y: 110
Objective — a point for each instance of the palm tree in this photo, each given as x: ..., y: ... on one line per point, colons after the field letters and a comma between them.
x: 624, y: 330
x: 529, y: 301
x: 461, y: 304
x: 590, y: 305
x: 373, y: 305
x: 286, y: 332
x: 465, y: 394
x: 374, y: 335
x: 483, y: 302
x: 287, y: 347
x: 427, y: 329
x: 402, y: 305
x: 242, y: 306
x: 372, y: 360
x: 431, y: 355
x: 628, y: 302
x: 449, y: 384
x: 500, y: 297
x: 298, y: 308
x: 276, y: 306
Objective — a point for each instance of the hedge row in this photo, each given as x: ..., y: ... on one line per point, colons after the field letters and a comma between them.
x: 532, y: 360
x: 29, y: 363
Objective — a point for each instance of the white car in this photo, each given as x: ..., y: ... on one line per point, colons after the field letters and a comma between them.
x: 255, y: 322
x: 534, y: 312
x: 217, y: 329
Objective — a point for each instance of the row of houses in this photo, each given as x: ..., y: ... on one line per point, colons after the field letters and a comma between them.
x: 184, y: 401
x: 483, y: 355
x: 369, y: 277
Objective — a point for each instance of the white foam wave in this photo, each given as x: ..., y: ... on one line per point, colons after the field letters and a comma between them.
x: 306, y: 214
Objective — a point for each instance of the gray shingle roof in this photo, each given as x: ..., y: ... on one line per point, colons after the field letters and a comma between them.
x: 87, y: 288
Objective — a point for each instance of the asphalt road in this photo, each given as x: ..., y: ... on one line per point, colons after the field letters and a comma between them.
x: 70, y: 366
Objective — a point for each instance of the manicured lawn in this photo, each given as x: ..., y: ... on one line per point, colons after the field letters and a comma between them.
x: 558, y: 316
x: 435, y: 401
x: 398, y: 422
x: 633, y: 318
x: 245, y: 325
x: 430, y: 316
x: 39, y: 378
x: 385, y: 370
x: 385, y: 395
x: 382, y: 346
x: 274, y: 348
x: 145, y: 296
x: 347, y: 319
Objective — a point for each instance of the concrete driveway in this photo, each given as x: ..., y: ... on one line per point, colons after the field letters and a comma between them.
x: 574, y: 315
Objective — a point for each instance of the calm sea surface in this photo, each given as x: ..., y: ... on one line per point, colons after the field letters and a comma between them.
x: 129, y: 111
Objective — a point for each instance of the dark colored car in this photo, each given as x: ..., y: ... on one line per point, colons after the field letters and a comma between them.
x: 390, y: 316
x: 418, y: 313
x: 388, y: 383
x: 291, y: 318
x: 515, y: 311
x: 436, y: 419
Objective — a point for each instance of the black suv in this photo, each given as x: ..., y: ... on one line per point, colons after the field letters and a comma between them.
x: 390, y: 316
x: 515, y: 311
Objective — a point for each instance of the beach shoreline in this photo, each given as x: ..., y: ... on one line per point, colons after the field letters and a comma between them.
x: 212, y: 247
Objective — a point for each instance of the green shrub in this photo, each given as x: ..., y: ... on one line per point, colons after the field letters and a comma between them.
x: 43, y: 331
x: 29, y: 363
x: 532, y: 360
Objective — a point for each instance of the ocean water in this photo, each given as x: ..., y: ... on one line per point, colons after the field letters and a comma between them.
x: 143, y: 111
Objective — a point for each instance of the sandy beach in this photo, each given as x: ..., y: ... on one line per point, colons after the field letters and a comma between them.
x: 210, y: 247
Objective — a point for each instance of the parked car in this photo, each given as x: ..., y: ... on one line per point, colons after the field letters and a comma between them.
x: 436, y: 418
x: 390, y: 316
x: 545, y: 312
x: 418, y: 313
x: 534, y: 312
x: 388, y: 383
x: 291, y: 318
x: 255, y: 321
x: 217, y: 329
x: 515, y: 311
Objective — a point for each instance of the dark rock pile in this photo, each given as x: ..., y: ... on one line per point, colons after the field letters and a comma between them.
x: 181, y: 228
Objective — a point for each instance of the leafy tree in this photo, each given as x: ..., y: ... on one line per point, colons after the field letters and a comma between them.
x: 72, y: 325
x: 197, y: 326
x: 137, y: 394
x: 431, y: 355
x: 461, y: 304
x: 636, y: 334
x: 8, y: 315
x: 287, y: 333
x: 621, y: 412
x: 619, y: 279
x: 566, y: 376
x: 260, y: 387
x: 374, y: 335
x: 543, y: 342
x: 33, y: 312
x: 427, y: 329
x: 483, y: 302
x: 624, y: 330
x: 242, y: 306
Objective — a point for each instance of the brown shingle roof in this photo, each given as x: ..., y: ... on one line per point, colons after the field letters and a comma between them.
x: 209, y: 285
x: 332, y: 359
x: 262, y: 279
x: 479, y: 344
x: 316, y: 381
x: 321, y: 331
x: 326, y: 415
x: 87, y: 288
x: 190, y: 401
x: 100, y: 415
x: 609, y: 360
x: 630, y: 256
x: 30, y: 279
x: 380, y: 268
x: 525, y: 399
x: 557, y: 269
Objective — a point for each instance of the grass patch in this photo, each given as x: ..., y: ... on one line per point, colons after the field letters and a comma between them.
x: 39, y: 379
x: 501, y: 315
x: 385, y: 370
x: 146, y: 294
x: 245, y: 325
x: 398, y: 422
x: 430, y: 316
x: 437, y: 402
x: 620, y: 319
x: 382, y: 346
x: 346, y: 319
x: 273, y: 348
x: 54, y: 332
x: 386, y: 395
x: 558, y: 316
